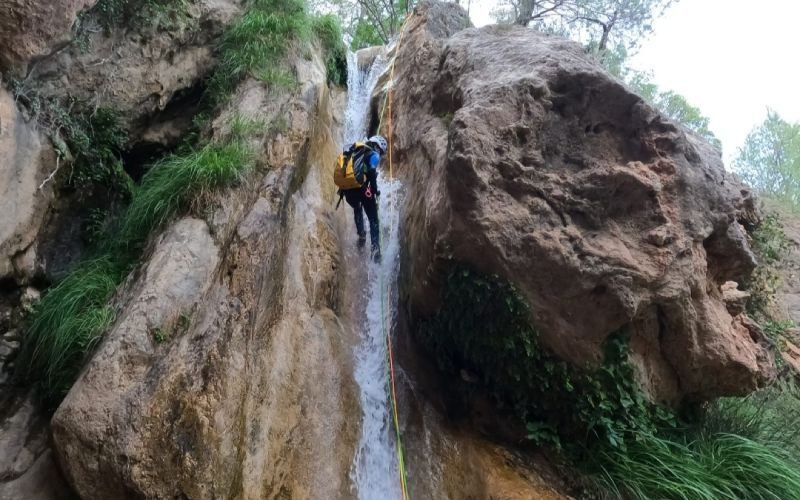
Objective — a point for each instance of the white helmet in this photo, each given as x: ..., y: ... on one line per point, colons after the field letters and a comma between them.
x: 379, y: 141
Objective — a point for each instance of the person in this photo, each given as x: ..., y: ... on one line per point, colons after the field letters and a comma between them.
x: 360, y: 187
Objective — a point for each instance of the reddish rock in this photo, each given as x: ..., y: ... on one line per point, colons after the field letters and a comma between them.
x: 527, y: 159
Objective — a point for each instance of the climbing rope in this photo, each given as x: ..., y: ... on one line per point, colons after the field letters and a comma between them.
x: 386, y: 290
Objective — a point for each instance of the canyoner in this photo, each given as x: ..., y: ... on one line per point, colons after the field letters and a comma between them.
x: 356, y: 175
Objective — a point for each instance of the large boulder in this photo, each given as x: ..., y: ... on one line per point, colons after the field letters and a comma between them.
x: 34, y: 28
x: 529, y: 161
x: 26, y: 160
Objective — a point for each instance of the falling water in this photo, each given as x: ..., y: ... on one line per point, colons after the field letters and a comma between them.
x: 375, y: 464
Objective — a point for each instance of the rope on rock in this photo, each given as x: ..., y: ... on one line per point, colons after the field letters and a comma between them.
x: 386, y: 290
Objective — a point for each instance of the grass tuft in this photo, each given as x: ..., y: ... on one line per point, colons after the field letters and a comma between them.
x: 174, y: 182
x: 66, y: 324
x: 712, y: 467
x: 256, y: 43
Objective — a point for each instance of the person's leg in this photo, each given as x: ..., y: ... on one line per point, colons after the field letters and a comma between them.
x: 354, y: 200
x: 371, y: 207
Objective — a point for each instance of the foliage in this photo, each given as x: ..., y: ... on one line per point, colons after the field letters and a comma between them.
x: 605, y: 22
x: 484, y: 327
x: 769, y: 160
x: 96, y: 141
x: 66, y: 324
x: 74, y: 314
x: 711, y: 467
x: 154, y: 14
x: 366, y: 22
x: 770, y: 244
x: 364, y: 35
x: 256, y: 43
x: 173, y: 183
x: 329, y: 32
x: 741, y: 448
x: 92, y: 141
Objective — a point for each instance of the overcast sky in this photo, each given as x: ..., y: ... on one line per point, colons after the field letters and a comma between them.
x: 730, y: 58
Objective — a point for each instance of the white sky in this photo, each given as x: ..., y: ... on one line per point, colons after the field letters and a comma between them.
x: 730, y: 58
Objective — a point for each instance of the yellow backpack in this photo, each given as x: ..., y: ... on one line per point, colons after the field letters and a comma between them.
x: 349, y: 171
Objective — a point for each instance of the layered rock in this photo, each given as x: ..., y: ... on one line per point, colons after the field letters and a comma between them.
x: 540, y: 167
x: 248, y: 393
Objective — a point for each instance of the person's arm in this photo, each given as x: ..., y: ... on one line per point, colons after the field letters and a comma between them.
x: 372, y: 172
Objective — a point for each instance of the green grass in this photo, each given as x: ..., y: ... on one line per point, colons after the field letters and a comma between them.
x: 329, y: 32
x: 174, y: 183
x: 712, y: 467
x: 66, y: 324
x: 256, y: 43
x: 74, y: 314
x: 740, y: 448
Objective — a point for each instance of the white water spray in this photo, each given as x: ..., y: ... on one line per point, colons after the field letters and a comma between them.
x: 375, y: 465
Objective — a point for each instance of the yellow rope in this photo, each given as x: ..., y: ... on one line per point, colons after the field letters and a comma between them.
x: 386, y: 324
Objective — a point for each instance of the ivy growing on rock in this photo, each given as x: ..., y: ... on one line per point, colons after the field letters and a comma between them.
x: 484, y: 327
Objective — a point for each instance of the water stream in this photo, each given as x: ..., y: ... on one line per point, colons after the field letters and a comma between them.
x: 374, y: 468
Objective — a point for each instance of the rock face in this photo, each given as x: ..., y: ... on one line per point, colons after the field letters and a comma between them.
x: 27, y: 467
x: 34, y: 28
x: 25, y: 162
x: 227, y: 373
x: 540, y: 167
x: 137, y: 72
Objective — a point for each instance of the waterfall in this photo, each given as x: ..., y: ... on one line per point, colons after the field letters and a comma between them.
x: 374, y: 468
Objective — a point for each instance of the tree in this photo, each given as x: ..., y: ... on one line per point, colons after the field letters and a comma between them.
x: 623, y: 22
x: 671, y: 104
x: 769, y: 160
x: 604, y: 22
x: 366, y: 22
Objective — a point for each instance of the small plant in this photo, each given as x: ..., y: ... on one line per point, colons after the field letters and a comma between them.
x: 176, y: 183
x: 160, y: 336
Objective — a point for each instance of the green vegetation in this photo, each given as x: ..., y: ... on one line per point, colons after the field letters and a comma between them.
x: 628, y: 447
x: 769, y: 161
x: 91, y: 141
x: 174, y: 183
x: 155, y: 14
x: 329, y: 32
x: 256, y: 44
x: 74, y: 314
x: 484, y: 326
x: 66, y: 324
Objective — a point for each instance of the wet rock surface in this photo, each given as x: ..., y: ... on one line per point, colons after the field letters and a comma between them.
x: 540, y: 167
